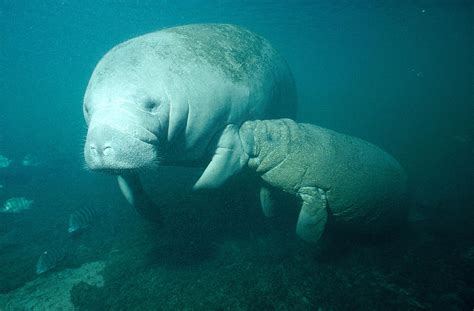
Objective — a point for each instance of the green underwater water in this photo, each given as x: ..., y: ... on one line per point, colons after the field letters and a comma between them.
x: 396, y: 73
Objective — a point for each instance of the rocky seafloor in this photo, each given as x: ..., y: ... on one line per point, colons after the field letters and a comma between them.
x: 218, y: 252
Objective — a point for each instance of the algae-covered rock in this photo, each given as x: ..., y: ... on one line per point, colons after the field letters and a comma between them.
x: 52, y: 291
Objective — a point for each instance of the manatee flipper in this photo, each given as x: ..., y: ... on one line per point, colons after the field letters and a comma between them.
x: 313, y: 215
x: 228, y: 159
x: 267, y: 201
x: 132, y: 190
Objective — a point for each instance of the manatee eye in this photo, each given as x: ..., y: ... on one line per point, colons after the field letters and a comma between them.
x: 87, y: 111
x: 150, y: 105
x: 87, y: 114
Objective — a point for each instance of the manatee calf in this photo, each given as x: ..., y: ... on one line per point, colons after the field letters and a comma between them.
x: 340, y: 179
x: 177, y: 97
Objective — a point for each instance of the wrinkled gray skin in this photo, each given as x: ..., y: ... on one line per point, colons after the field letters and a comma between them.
x: 177, y: 97
x: 354, y: 183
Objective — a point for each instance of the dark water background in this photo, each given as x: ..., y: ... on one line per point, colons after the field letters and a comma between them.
x: 399, y: 74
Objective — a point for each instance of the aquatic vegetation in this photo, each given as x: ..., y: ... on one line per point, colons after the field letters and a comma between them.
x: 53, y: 292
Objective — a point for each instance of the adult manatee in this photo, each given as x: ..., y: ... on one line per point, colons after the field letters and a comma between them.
x: 177, y: 97
x: 341, y: 180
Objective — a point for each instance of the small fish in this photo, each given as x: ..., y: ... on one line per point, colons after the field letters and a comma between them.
x: 4, y: 161
x: 16, y: 205
x: 49, y: 259
x: 81, y: 219
x: 30, y: 160
x: 1, y: 186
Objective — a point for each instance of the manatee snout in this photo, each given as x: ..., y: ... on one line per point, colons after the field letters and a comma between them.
x: 100, y: 146
x: 111, y: 150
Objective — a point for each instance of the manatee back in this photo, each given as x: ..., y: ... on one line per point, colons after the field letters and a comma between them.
x: 243, y: 58
x: 197, y: 57
x: 366, y: 186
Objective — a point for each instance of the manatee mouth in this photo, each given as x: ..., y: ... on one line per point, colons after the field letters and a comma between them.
x: 112, y: 151
x: 115, y: 171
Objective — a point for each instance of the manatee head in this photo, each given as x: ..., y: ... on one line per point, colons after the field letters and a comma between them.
x: 267, y: 143
x: 124, y: 133
x: 126, y: 111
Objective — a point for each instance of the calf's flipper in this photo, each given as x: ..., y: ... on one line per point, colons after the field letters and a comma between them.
x: 313, y: 215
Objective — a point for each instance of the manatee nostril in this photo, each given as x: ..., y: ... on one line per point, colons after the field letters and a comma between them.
x: 107, y: 150
x: 93, y: 149
x: 100, y: 150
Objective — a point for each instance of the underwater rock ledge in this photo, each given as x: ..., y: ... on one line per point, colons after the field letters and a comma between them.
x: 52, y: 291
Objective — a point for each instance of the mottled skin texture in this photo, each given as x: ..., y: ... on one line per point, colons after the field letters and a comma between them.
x: 169, y: 97
x: 354, y: 183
